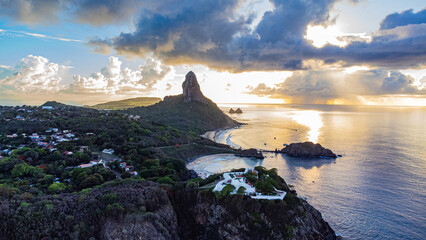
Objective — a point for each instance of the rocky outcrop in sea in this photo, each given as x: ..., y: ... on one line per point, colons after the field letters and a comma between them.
x: 250, y: 153
x: 308, y: 149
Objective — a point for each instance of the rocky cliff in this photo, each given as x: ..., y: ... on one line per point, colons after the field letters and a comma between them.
x: 190, y: 111
x: 145, y: 210
x: 191, y: 89
x: 308, y: 149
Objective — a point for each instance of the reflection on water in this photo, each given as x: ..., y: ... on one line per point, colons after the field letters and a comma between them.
x: 377, y: 190
x: 311, y: 119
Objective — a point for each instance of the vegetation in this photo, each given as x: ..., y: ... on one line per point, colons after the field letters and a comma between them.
x: 127, y: 103
x: 227, y: 189
x: 45, y: 195
x: 194, y: 117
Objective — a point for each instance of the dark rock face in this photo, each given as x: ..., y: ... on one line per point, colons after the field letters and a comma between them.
x: 250, y: 153
x: 191, y: 89
x: 308, y: 149
x: 202, y: 216
x: 236, y: 111
x: 146, y: 210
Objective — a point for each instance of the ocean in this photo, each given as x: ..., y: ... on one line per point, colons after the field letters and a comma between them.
x: 376, y: 190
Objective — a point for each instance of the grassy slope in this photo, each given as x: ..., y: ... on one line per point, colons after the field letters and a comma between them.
x: 190, y: 116
x: 127, y: 103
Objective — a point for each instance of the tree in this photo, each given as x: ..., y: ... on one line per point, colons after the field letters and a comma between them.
x: 25, y: 170
x: 56, y: 187
x: 264, y: 187
x: 227, y: 189
x: 92, y: 180
x: 241, y: 190
x: 166, y: 180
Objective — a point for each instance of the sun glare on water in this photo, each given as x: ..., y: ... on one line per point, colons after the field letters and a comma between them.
x: 311, y: 119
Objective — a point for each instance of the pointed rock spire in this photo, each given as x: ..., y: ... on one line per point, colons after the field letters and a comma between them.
x: 191, y: 89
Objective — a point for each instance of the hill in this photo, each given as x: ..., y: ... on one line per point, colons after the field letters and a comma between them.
x: 127, y: 103
x: 190, y: 111
x: 55, y: 104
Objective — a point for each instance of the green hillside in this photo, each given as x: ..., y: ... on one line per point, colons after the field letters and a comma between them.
x: 127, y: 103
x: 190, y: 116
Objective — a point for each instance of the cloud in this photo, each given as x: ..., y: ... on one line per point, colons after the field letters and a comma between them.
x: 93, y: 12
x: 102, y: 12
x: 36, y: 75
x: 404, y: 18
x: 33, y: 74
x: 31, y: 11
x: 215, y: 34
x: 321, y: 86
x: 223, y: 35
x: 113, y: 79
x: 38, y: 35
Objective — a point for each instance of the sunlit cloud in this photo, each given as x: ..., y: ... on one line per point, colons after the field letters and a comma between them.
x: 38, y: 76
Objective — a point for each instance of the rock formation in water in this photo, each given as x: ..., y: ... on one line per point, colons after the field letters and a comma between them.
x: 308, y: 149
x: 191, y: 89
x: 250, y: 153
x: 236, y: 111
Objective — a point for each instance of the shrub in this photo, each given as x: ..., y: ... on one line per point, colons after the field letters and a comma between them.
x: 241, y: 191
x: 56, y: 187
x: 227, y: 189
x: 166, y: 180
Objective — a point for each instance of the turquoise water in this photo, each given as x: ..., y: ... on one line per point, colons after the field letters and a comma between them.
x: 377, y: 190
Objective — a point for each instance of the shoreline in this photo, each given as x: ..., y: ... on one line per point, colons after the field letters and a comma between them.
x: 215, y: 135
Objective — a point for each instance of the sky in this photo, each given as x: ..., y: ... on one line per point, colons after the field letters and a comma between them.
x: 82, y: 52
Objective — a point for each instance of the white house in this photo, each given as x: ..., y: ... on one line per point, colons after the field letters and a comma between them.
x: 108, y: 151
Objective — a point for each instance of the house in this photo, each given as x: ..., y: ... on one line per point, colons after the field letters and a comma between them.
x: 108, y: 151
x: 238, y: 179
x: 69, y: 135
x: 134, y: 173
x: 85, y: 165
x: 46, y: 107
x: 128, y: 168
x: 96, y: 162
x: 84, y: 148
x: 68, y: 153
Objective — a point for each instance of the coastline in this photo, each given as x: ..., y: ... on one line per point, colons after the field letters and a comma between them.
x: 216, y: 135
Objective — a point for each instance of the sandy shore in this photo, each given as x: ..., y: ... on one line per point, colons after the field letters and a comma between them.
x: 216, y: 134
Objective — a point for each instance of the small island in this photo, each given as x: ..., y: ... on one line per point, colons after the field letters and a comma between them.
x: 235, y: 111
x: 251, y: 153
x: 308, y: 149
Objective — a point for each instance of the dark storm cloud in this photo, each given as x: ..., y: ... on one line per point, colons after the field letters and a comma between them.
x: 404, y: 18
x: 218, y: 34
x: 94, y: 12
x: 102, y: 12
x: 212, y: 33
x: 31, y: 11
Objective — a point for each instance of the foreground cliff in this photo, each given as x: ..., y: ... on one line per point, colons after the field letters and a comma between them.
x: 190, y: 111
x: 145, y: 210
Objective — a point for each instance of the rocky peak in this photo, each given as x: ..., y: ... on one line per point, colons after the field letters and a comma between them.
x: 191, y: 89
